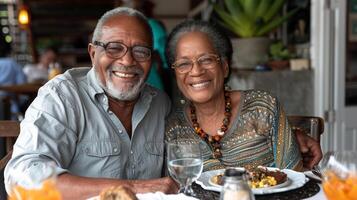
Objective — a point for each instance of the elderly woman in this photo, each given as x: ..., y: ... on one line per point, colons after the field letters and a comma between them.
x: 236, y: 128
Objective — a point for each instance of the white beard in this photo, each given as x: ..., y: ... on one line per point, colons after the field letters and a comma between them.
x: 119, y: 93
x: 124, y: 95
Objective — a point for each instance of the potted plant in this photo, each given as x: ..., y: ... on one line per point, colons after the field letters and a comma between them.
x: 279, y: 56
x: 251, y: 21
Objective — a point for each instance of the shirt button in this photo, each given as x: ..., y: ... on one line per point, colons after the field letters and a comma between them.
x: 120, y: 131
x: 131, y: 152
x: 115, y: 149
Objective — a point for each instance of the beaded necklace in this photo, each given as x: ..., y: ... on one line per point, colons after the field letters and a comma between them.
x: 213, y: 141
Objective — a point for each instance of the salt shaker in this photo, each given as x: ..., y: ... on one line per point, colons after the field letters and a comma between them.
x: 235, y: 186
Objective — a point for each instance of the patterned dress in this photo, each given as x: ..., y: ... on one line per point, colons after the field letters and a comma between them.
x: 259, y: 135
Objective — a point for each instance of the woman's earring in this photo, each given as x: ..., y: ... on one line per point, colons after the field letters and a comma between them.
x: 182, y: 101
x: 227, y: 87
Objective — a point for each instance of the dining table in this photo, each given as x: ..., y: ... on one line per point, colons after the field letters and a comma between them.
x: 22, y: 89
x: 311, y: 190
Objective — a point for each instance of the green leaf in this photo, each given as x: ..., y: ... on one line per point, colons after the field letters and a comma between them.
x: 233, y: 7
x: 231, y: 23
x: 236, y: 11
x: 263, y: 8
x: 275, y: 23
x: 274, y: 9
x: 235, y: 30
x: 251, y: 18
x: 241, y: 24
x: 250, y: 8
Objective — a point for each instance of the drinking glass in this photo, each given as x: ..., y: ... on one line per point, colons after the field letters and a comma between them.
x: 339, y: 171
x: 184, y: 161
x: 35, y: 183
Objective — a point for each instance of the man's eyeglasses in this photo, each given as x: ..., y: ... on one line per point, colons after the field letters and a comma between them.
x: 207, y: 61
x: 118, y: 50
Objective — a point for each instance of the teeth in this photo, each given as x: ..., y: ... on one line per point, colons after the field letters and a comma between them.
x: 200, y: 85
x: 123, y: 75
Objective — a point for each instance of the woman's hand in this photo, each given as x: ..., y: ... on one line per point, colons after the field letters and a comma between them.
x: 310, y: 149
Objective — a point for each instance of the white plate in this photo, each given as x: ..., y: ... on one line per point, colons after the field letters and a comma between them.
x: 295, y: 180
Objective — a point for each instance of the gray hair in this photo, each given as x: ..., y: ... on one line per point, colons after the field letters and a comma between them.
x: 220, y: 41
x: 97, y: 34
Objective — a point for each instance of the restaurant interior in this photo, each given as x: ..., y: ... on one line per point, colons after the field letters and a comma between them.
x: 307, y: 60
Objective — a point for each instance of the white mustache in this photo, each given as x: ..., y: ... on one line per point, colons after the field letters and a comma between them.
x: 126, y: 69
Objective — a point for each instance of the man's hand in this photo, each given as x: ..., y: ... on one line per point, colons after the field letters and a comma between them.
x: 165, y: 185
x: 310, y: 149
x: 84, y: 187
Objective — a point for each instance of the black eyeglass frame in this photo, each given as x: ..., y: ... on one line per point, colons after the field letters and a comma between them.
x: 127, y: 48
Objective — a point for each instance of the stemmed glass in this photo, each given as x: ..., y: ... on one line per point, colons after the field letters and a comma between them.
x: 339, y: 171
x: 184, y: 161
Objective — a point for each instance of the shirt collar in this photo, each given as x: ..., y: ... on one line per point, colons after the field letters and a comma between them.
x: 94, y: 87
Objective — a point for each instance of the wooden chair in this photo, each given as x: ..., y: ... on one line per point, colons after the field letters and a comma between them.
x: 311, y: 125
x: 9, y: 130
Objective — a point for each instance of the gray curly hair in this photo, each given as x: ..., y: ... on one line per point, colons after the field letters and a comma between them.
x: 97, y: 34
x: 220, y: 41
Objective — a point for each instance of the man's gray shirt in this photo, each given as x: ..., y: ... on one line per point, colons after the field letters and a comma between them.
x: 70, y: 124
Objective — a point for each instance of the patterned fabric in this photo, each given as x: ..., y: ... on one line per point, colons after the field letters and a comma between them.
x: 260, y: 135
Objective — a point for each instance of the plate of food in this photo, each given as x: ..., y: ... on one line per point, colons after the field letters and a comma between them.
x: 263, y: 180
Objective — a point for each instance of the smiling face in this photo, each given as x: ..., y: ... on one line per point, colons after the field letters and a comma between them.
x: 121, y: 78
x: 199, y: 85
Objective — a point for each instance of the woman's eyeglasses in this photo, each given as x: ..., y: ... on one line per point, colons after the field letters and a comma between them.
x: 118, y: 50
x: 207, y: 61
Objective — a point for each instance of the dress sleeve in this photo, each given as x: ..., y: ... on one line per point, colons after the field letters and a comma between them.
x: 286, y: 149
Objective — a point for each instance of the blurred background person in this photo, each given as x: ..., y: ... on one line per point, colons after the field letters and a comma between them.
x: 10, y: 74
x: 39, y: 72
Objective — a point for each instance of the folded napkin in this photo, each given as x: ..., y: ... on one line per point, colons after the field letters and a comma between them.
x: 312, y: 176
x: 162, y: 196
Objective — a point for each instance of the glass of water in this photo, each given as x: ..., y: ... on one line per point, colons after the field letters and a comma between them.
x: 184, y: 161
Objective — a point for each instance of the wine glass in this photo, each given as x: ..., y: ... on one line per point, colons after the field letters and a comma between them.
x: 339, y: 171
x: 37, y: 182
x: 184, y: 161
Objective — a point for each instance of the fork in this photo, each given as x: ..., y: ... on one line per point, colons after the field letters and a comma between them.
x: 316, y: 171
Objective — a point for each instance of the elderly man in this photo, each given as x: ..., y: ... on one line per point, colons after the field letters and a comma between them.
x: 100, y: 126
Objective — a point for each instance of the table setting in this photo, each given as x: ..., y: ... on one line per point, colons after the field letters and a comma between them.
x: 335, y: 178
x: 296, y: 186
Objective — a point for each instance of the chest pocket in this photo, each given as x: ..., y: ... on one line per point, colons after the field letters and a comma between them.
x: 105, y: 156
x: 103, y: 149
x: 155, y: 148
